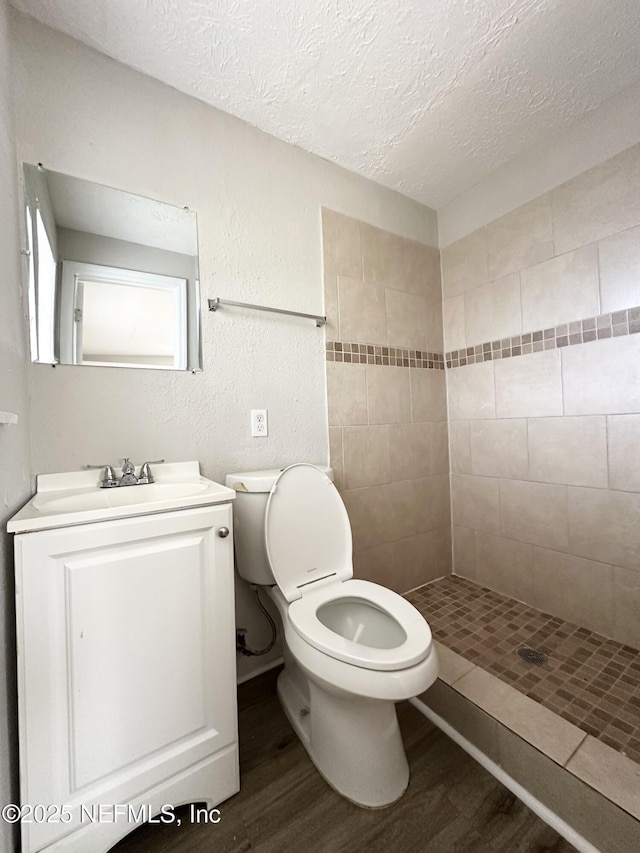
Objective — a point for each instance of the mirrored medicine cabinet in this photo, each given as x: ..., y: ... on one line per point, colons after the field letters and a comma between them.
x: 113, y: 277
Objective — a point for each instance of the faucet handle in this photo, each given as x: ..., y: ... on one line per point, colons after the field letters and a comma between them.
x: 145, y: 471
x: 109, y: 479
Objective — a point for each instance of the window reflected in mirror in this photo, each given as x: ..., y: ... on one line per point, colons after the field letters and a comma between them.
x: 113, y: 316
x: 113, y: 277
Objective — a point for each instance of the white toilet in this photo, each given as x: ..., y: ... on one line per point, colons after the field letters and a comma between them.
x: 352, y: 648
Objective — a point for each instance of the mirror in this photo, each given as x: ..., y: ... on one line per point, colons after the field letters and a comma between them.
x: 113, y: 277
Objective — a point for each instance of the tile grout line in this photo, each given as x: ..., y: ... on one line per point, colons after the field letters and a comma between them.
x: 579, y: 746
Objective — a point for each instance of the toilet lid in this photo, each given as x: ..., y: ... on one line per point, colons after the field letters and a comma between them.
x: 307, y: 530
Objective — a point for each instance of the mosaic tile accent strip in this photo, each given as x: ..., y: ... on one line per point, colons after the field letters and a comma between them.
x: 587, y: 679
x: 356, y: 353
x: 612, y: 325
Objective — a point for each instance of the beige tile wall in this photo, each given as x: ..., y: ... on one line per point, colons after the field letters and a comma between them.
x: 545, y: 447
x: 388, y: 424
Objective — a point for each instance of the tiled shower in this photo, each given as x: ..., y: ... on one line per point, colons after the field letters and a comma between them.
x: 544, y: 423
x: 542, y: 414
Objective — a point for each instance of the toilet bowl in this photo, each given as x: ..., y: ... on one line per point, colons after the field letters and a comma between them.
x: 352, y: 648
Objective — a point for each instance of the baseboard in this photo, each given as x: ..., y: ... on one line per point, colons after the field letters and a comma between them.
x: 272, y: 664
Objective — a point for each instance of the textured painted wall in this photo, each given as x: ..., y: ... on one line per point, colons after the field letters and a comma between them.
x: 541, y: 322
x: 386, y: 400
x: 14, y: 451
x: 258, y: 203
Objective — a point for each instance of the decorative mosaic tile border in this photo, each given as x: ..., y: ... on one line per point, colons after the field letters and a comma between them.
x: 612, y: 325
x: 355, y: 353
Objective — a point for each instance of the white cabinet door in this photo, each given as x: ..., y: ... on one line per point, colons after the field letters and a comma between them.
x: 126, y: 660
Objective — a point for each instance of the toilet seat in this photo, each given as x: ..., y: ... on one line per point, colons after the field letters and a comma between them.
x: 412, y: 649
x: 309, y: 548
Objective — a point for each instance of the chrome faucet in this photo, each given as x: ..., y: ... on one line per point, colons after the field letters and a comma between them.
x: 128, y: 478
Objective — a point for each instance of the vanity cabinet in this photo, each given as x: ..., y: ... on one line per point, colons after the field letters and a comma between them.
x: 126, y: 673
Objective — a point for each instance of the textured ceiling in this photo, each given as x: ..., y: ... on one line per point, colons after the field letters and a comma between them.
x: 424, y: 96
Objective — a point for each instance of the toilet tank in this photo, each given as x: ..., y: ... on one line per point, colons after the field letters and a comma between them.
x: 252, y: 493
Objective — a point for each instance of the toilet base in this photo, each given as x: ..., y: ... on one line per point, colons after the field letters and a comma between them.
x: 354, y: 742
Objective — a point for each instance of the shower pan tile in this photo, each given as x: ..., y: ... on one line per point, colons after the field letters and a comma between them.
x: 587, y: 679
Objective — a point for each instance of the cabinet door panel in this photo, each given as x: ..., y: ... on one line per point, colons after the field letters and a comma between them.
x: 136, y: 638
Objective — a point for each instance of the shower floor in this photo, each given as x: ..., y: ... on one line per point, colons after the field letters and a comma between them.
x: 587, y: 679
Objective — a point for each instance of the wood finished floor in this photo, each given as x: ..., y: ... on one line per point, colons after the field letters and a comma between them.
x: 452, y: 805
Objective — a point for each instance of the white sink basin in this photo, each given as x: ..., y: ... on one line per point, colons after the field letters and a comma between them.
x: 76, y: 497
x: 116, y: 497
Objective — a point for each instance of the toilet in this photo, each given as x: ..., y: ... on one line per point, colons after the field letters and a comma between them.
x: 352, y: 648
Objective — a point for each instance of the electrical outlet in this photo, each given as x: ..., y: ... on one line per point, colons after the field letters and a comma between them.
x: 259, y: 426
